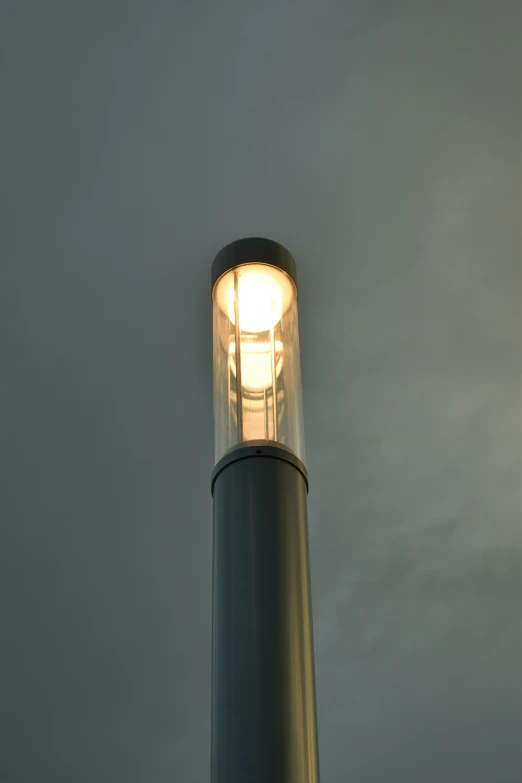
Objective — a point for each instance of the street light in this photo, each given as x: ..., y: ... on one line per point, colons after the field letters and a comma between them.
x: 263, y: 690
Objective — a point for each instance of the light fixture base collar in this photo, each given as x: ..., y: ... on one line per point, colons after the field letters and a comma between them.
x: 259, y: 449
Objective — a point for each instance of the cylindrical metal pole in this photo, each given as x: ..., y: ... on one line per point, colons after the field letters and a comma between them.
x: 264, y: 727
x: 263, y: 691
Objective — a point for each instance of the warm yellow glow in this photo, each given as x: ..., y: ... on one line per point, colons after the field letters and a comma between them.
x: 264, y: 294
x: 256, y: 364
x: 260, y: 302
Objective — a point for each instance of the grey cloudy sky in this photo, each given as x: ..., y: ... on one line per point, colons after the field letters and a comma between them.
x: 380, y: 141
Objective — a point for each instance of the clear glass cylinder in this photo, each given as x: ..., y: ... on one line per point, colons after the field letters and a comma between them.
x: 257, y: 372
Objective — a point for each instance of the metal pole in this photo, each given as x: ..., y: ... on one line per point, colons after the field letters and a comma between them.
x: 264, y: 724
x: 263, y: 692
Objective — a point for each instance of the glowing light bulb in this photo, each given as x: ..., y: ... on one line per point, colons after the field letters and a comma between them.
x: 264, y: 295
x: 260, y: 301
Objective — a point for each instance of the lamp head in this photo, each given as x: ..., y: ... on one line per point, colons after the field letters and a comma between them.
x: 257, y: 383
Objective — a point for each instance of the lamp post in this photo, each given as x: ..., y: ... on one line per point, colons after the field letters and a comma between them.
x: 263, y: 690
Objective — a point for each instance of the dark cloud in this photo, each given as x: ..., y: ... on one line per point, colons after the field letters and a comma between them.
x: 381, y: 143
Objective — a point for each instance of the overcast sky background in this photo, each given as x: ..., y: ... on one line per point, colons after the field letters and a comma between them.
x: 380, y: 141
